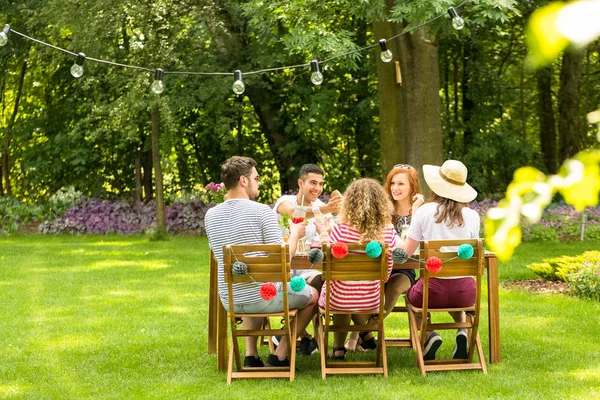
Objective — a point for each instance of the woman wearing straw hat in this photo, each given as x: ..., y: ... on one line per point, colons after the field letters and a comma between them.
x: 446, y: 216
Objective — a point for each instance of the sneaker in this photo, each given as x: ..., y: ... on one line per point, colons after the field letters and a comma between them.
x: 273, y: 361
x: 433, y: 342
x: 308, y: 346
x: 461, y: 350
x: 275, y: 340
x: 251, y: 361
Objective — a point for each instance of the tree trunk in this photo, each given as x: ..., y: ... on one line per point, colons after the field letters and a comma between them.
x: 467, y: 102
x: 161, y: 223
x: 138, y: 176
x: 548, y: 138
x: 411, y: 128
x: 9, y: 132
x: 272, y: 123
x: 568, y: 104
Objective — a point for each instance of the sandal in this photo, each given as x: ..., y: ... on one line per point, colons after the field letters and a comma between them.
x: 338, y: 358
x: 352, y: 345
x: 367, y: 344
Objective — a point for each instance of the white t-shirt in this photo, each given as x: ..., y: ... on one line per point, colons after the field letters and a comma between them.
x: 311, y: 229
x: 424, y: 227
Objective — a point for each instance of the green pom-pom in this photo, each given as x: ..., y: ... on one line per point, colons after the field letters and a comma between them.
x: 239, y: 268
x: 315, y: 256
x: 465, y: 251
x: 399, y: 255
x: 373, y: 249
x: 297, y: 283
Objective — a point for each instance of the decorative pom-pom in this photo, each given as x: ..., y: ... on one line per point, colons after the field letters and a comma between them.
x: 339, y: 250
x: 465, y: 251
x: 433, y: 265
x: 315, y: 256
x: 373, y: 249
x: 268, y: 291
x: 239, y: 268
x: 297, y: 283
x: 399, y: 255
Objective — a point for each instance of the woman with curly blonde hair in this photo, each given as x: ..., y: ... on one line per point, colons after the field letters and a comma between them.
x: 365, y: 216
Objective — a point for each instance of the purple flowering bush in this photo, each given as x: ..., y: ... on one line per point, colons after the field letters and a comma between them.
x: 560, y: 222
x: 91, y: 216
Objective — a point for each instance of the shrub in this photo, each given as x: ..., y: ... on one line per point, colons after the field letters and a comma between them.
x: 91, y: 216
x: 585, y: 283
x: 560, y: 268
x: 542, y: 233
x: 13, y: 213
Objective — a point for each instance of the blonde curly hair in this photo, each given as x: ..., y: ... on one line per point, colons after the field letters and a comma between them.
x: 367, y: 208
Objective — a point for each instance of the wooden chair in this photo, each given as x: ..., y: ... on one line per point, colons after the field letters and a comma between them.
x: 353, y: 267
x: 399, y: 341
x: 453, y: 266
x: 271, y: 264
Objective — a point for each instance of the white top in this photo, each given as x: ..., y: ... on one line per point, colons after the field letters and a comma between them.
x: 240, y: 221
x: 311, y: 229
x: 424, y: 227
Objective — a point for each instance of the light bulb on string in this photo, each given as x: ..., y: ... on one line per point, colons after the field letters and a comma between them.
x: 77, y: 68
x: 386, y: 54
x: 158, y: 86
x: 4, y: 35
x: 238, y: 84
x: 316, y: 77
x: 457, y: 22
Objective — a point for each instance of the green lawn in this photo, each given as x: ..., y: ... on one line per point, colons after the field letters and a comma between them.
x: 122, y: 317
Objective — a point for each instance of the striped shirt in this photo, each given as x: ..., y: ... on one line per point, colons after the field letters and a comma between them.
x: 240, y: 221
x: 356, y: 295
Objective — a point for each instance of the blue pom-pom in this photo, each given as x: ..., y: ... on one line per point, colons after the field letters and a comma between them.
x: 315, y: 256
x: 465, y: 251
x: 297, y: 283
x: 239, y: 268
x: 373, y: 249
x: 399, y: 255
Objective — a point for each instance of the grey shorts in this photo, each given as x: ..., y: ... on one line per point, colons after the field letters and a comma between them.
x: 305, y: 273
x: 296, y: 300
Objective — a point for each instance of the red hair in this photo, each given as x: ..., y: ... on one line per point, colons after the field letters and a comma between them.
x: 413, y: 181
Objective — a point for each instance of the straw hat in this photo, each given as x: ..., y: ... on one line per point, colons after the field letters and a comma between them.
x: 450, y: 181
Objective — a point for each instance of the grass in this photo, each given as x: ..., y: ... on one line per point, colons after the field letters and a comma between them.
x: 123, y: 317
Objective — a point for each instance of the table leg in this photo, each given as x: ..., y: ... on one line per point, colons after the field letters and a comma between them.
x: 494, y: 310
x: 213, y: 303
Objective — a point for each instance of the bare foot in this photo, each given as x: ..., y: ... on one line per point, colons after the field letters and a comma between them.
x: 352, y: 345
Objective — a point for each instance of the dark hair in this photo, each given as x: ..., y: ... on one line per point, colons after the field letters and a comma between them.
x: 235, y: 167
x: 310, y: 169
x: 448, y: 210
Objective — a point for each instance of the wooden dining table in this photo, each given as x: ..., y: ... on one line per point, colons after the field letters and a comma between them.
x: 217, y: 316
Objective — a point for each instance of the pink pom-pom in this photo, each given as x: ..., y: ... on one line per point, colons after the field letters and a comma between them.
x: 433, y: 265
x: 268, y: 291
x: 339, y: 250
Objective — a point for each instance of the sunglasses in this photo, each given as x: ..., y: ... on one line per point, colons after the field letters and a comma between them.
x: 403, y: 166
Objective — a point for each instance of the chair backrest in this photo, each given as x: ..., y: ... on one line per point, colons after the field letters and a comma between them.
x: 356, y: 266
x: 453, y: 265
x: 266, y: 263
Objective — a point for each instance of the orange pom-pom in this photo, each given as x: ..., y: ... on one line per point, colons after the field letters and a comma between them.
x: 268, y: 291
x: 433, y: 265
x: 339, y: 250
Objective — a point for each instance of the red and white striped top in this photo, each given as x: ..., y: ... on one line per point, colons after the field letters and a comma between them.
x: 356, y: 295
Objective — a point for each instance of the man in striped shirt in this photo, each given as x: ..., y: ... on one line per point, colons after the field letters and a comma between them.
x: 240, y: 220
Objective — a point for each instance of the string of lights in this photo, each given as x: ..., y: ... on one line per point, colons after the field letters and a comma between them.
x: 238, y: 87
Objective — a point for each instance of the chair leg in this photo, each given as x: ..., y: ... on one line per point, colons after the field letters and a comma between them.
x: 414, y: 333
x: 292, y: 347
x: 230, y: 364
x: 322, y: 348
x: 383, y: 352
x: 481, y: 356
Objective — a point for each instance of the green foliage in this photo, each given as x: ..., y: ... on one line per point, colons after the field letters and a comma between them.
x: 543, y: 233
x: 62, y: 200
x: 585, y: 282
x: 561, y: 268
x: 14, y: 213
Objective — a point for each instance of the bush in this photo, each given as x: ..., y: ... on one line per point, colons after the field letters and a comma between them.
x: 14, y: 213
x: 542, y: 233
x: 91, y: 216
x: 585, y: 283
